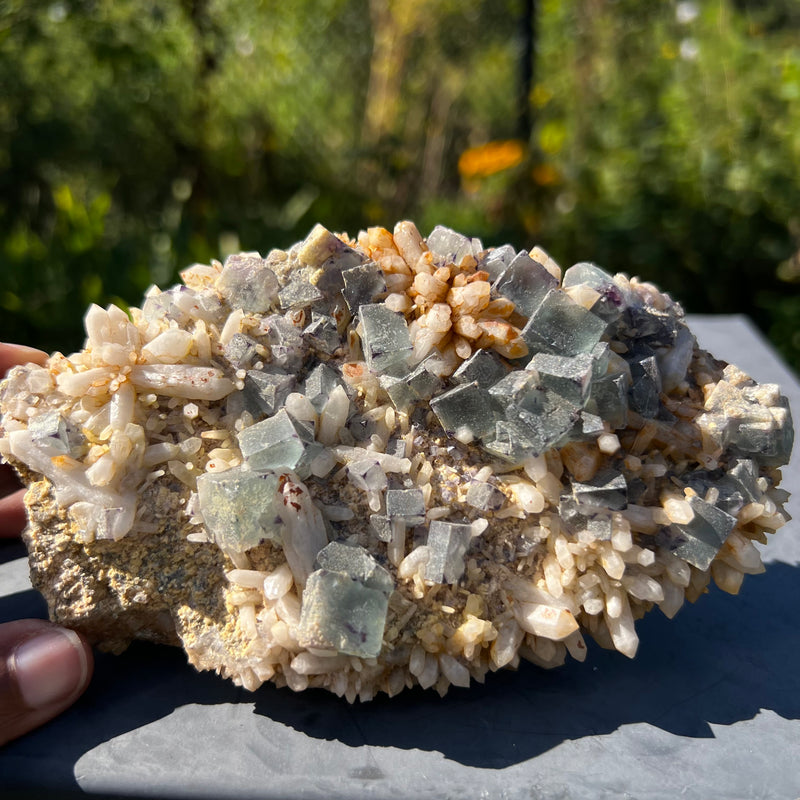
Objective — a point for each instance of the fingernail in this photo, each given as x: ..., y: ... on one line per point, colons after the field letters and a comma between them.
x: 50, y: 667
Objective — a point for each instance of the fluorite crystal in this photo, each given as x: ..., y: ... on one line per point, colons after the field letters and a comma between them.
x: 368, y: 464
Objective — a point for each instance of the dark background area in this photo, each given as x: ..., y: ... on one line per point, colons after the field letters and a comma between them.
x: 660, y: 139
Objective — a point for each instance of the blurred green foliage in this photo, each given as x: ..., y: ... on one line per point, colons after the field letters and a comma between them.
x: 138, y: 136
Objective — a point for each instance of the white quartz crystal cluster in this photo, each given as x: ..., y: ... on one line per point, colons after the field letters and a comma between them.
x: 422, y: 459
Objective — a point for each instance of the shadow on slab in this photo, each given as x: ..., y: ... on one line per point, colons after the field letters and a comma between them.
x: 719, y: 662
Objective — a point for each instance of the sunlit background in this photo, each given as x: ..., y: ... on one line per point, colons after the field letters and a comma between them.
x: 657, y: 138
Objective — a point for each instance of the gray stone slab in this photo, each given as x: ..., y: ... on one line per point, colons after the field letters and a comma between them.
x: 709, y: 708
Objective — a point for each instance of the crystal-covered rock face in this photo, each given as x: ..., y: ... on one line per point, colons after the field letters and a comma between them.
x: 365, y: 464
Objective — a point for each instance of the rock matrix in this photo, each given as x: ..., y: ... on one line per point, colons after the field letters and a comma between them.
x: 368, y: 464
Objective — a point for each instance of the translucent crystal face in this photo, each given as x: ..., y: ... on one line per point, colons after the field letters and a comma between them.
x: 287, y: 446
x: 525, y: 282
x: 608, y: 489
x: 264, y: 393
x: 240, y: 508
x: 52, y: 432
x: 342, y: 614
x: 400, y: 460
x: 448, y: 544
x: 247, y: 283
x: 699, y: 541
x: 483, y: 367
x: 386, y: 341
x: 407, y: 505
x: 362, y: 285
x: 559, y: 325
x: 467, y: 412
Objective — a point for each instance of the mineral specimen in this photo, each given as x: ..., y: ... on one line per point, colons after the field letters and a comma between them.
x: 371, y: 464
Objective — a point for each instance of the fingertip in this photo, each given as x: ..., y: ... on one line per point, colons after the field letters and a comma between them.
x: 13, y: 354
x: 13, y: 517
x: 51, y: 669
x: 44, y: 669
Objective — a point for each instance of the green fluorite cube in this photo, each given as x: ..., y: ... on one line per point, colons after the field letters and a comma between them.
x: 385, y: 337
x: 355, y: 561
x: 362, y: 284
x: 467, y: 412
x: 699, y: 541
x: 526, y: 283
x: 448, y: 543
x: 559, y: 325
x: 240, y: 508
x: 278, y: 443
x: 483, y: 367
x: 341, y: 613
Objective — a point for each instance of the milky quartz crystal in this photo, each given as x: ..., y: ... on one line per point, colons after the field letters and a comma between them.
x: 371, y: 464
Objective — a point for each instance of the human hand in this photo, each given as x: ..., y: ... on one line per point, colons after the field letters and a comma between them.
x: 43, y: 668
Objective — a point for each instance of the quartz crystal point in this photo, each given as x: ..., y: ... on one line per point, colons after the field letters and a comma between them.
x: 372, y: 463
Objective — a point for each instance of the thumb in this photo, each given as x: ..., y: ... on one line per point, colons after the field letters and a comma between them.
x: 43, y: 670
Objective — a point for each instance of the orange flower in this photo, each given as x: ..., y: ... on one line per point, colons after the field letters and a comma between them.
x: 489, y: 158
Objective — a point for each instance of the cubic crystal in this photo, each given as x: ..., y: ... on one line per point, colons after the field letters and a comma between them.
x: 568, y: 376
x: 407, y: 505
x: 56, y: 435
x: 559, y: 325
x: 354, y: 561
x: 265, y: 391
x: 386, y: 341
x: 699, y: 541
x: 467, y: 412
x: 608, y: 489
x: 646, y: 385
x: 342, y: 614
x: 299, y: 294
x: 241, y: 351
x: 240, y: 508
x: 362, y: 285
x: 485, y: 496
x: 247, y: 283
x: 279, y: 443
x: 319, y: 384
x: 323, y: 334
x: 448, y: 543
x: 526, y: 283
x: 447, y: 242
x: 483, y: 367
x: 610, y: 301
